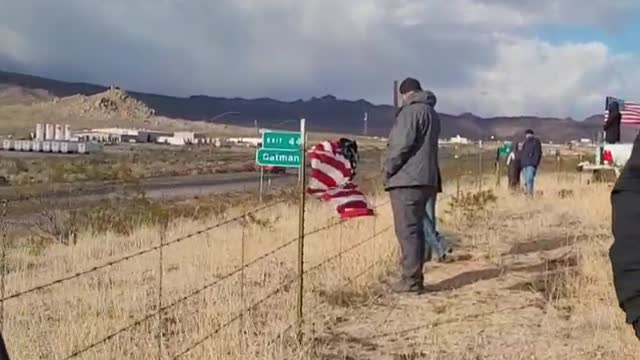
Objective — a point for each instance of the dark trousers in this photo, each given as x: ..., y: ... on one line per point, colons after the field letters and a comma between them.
x: 408, y: 206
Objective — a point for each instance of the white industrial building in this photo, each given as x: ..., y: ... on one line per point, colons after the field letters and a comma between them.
x: 458, y: 140
x: 246, y: 141
x: 54, y: 138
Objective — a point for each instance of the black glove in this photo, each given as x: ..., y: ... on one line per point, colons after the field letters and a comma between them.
x: 636, y: 327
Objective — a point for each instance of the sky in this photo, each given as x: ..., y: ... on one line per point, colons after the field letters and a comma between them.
x: 556, y: 58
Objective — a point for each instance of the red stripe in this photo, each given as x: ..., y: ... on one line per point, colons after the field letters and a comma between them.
x: 356, y: 213
x: 356, y: 204
x: 331, y: 161
x: 323, y: 178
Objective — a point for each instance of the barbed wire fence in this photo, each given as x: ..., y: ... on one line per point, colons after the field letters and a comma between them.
x: 163, y: 306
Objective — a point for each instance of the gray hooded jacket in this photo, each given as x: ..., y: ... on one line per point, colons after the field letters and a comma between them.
x: 412, y: 148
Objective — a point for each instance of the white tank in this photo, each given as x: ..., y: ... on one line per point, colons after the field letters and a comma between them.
x: 67, y: 132
x: 59, y: 135
x: 48, y: 132
x: 55, y: 146
x: 36, y: 146
x: 39, y: 132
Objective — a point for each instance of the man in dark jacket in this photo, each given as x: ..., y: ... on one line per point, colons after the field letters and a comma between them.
x: 530, y: 157
x: 625, y: 251
x: 612, y: 125
x: 412, y: 176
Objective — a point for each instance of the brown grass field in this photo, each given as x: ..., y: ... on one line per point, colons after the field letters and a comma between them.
x: 530, y: 280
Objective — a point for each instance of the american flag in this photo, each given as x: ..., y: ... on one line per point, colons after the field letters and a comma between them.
x: 630, y: 111
x: 331, y: 175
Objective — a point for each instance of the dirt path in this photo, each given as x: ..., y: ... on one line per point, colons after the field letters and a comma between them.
x: 472, y: 307
x: 504, y: 301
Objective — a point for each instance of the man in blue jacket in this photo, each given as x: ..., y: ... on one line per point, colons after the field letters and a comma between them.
x: 530, y: 157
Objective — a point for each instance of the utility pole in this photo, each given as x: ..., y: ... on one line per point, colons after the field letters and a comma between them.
x: 395, y: 93
x: 365, y: 129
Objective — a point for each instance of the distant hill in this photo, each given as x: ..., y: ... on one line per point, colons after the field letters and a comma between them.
x: 325, y: 113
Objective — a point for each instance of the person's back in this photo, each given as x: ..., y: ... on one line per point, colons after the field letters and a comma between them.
x: 514, y: 168
x: 612, y: 125
x: 412, y: 176
x: 530, y: 157
x: 625, y: 250
x: 413, y: 146
x: 531, y: 152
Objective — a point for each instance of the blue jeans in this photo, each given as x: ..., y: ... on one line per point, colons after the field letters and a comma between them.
x: 529, y: 174
x: 435, y: 244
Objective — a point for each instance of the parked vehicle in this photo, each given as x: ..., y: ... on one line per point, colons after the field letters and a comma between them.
x: 274, y: 169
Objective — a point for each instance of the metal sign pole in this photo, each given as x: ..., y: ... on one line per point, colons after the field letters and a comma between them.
x: 301, y: 173
x: 261, y: 183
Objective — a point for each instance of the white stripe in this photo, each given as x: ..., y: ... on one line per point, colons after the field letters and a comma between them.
x: 330, y: 171
x: 337, y: 157
x: 314, y: 184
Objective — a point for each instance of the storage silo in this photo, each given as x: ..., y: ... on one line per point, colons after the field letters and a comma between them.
x: 58, y: 135
x: 39, y: 132
x: 36, y: 146
x: 48, y: 131
x: 67, y: 132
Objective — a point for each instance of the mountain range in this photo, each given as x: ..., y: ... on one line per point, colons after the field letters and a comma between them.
x: 326, y: 113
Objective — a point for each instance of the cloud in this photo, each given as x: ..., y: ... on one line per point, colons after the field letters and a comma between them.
x: 472, y: 53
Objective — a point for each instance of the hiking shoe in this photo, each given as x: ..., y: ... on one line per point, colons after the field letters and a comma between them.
x: 404, y: 286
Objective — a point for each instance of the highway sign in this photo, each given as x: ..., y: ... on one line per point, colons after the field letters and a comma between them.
x: 281, y: 140
x: 282, y: 158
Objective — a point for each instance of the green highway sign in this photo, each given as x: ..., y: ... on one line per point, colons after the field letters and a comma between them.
x: 281, y: 140
x: 282, y: 158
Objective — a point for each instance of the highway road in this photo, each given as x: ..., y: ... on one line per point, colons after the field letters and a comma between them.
x: 158, y: 188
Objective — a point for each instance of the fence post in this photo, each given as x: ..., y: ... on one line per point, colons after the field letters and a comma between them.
x: 498, y: 168
x: 558, y: 164
x: 3, y: 266
x: 242, y: 301
x: 302, y: 173
x: 163, y: 236
x: 480, y: 166
x: 261, y: 184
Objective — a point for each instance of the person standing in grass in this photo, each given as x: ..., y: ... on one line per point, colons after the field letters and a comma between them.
x: 412, y: 176
x: 530, y: 157
x: 625, y: 225
x: 514, y: 167
x: 612, y: 125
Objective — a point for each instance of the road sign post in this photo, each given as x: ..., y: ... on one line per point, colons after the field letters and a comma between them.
x: 301, y: 172
x: 287, y: 149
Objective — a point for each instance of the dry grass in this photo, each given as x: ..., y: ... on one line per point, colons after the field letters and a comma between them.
x: 535, y: 284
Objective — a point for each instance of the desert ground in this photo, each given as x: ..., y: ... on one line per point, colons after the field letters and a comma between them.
x: 529, y: 279
x: 215, y: 276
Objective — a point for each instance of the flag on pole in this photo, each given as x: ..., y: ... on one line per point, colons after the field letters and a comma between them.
x: 331, y: 180
x: 630, y: 111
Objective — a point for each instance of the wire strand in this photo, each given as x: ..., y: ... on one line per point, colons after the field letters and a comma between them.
x: 134, y: 255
